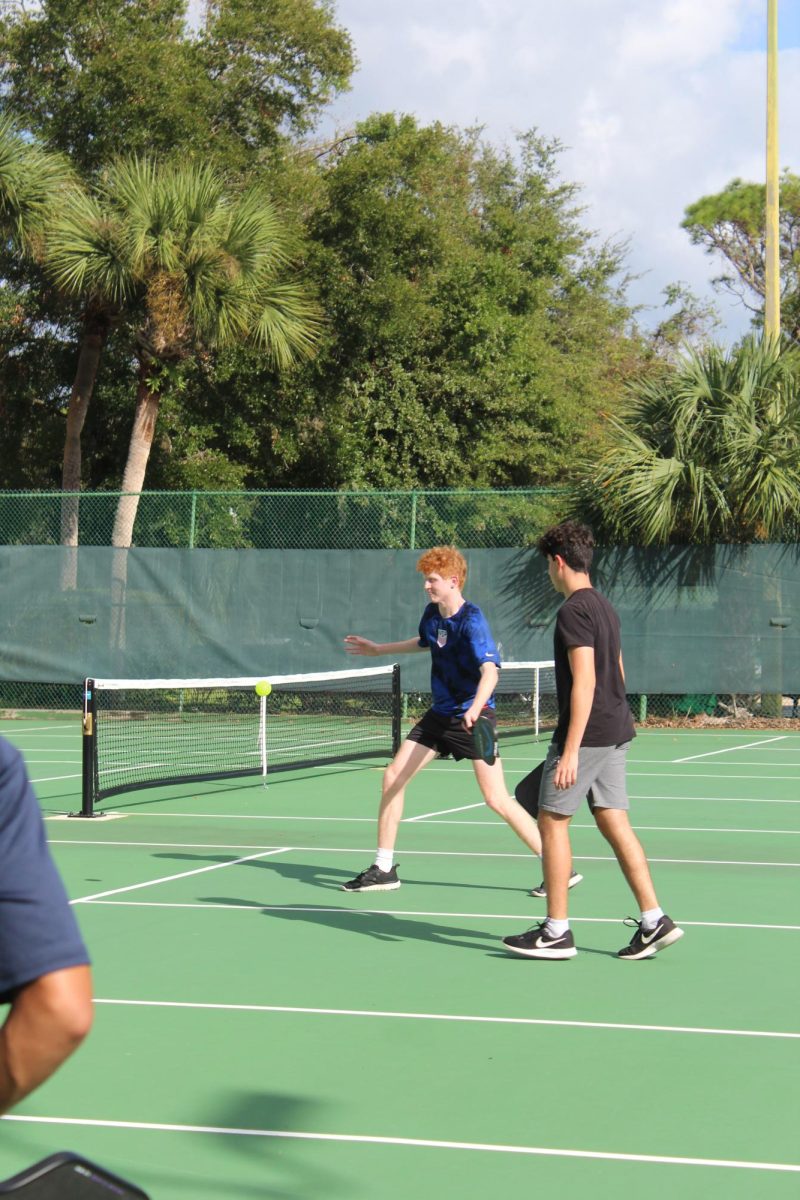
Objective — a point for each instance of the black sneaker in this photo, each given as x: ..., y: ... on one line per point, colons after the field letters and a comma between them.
x: 646, y: 942
x: 538, y: 943
x: 541, y: 891
x: 373, y: 880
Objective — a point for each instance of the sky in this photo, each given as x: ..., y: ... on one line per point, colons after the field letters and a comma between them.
x: 657, y: 102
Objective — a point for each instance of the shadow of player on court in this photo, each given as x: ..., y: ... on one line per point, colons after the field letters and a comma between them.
x: 370, y: 922
x: 283, y: 1166
x: 332, y: 878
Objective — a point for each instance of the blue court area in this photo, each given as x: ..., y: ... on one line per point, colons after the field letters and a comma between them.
x: 260, y: 1033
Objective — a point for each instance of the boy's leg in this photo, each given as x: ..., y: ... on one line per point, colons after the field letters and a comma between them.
x: 408, y: 762
x: 557, y: 858
x: 656, y: 930
x: 553, y: 938
x: 382, y: 875
x: 615, y: 827
x: 492, y: 783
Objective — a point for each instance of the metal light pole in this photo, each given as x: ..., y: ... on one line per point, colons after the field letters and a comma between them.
x: 772, y: 280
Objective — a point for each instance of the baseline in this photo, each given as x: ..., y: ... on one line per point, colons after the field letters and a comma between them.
x: 424, y: 1143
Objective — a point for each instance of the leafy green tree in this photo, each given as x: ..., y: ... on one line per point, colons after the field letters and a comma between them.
x: 94, y: 80
x: 475, y: 330
x: 706, y: 451
x: 30, y: 181
x: 691, y: 322
x: 32, y: 186
x: 191, y: 265
x: 112, y: 77
x: 731, y: 225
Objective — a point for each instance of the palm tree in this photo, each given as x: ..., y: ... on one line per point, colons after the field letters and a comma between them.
x: 82, y: 226
x: 30, y: 181
x: 32, y: 185
x: 708, y: 451
x: 192, y: 265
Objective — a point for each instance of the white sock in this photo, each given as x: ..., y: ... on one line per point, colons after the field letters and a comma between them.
x: 651, y: 918
x: 384, y: 859
x: 556, y: 928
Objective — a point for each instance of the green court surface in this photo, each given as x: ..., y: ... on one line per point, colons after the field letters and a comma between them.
x: 260, y: 1033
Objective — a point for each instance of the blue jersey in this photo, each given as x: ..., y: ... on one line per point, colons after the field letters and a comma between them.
x: 38, y: 930
x: 459, y: 646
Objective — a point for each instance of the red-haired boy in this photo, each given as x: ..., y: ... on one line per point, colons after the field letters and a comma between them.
x: 464, y: 672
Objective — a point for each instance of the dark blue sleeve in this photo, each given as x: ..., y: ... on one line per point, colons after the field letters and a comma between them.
x: 482, y: 645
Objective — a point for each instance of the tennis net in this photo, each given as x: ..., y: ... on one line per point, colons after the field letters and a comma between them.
x: 525, y: 698
x: 142, y: 733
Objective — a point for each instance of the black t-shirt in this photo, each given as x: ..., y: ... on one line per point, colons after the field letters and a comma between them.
x: 587, y: 619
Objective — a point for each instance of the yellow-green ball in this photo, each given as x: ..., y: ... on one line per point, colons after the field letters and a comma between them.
x: 263, y: 688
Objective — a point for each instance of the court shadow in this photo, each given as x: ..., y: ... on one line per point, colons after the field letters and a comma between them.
x: 382, y: 926
x: 284, y: 1170
x: 510, y: 956
x: 281, y: 776
x: 332, y: 878
x: 327, y: 877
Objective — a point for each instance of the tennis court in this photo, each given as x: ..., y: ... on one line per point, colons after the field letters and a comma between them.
x: 261, y: 1033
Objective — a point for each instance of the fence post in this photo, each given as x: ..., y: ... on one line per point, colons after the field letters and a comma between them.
x: 413, y: 521
x: 192, y: 521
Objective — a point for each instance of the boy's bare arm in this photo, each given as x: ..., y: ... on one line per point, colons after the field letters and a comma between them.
x: 360, y: 645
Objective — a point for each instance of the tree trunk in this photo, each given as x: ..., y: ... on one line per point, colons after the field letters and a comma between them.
x: 94, y: 337
x: 91, y: 347
x: 144, y: 427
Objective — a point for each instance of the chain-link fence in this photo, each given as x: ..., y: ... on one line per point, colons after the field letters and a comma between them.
x: 285, y: 520
x: 325, y: 520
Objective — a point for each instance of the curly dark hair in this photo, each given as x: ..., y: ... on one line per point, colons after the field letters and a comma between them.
x: 572, y: 541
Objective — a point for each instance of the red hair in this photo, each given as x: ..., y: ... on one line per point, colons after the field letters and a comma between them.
x: 445, y: 561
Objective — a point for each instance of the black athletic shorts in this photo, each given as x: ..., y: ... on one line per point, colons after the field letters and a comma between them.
x: 447, y: 735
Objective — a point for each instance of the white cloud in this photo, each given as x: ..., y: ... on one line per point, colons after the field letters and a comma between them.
x: 680, y: 32
x: 657, y: 101
x: 441, y: 49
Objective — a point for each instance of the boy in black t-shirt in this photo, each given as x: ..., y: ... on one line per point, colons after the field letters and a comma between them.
x: 587, y: 755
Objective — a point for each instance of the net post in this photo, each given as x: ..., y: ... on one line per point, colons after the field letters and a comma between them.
x: 536, y: 704
x: 396, y: 708
x: 262, y: 734
x: 89, y: 751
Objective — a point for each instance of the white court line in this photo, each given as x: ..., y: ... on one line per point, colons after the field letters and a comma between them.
x: 488, y: 823
x: 401, y: 912
x: 251, y: 817
x: 730, y: 749
x: 705, y: 862
x: 424, y: 1143
x: 181, y: 875
x: 49, y: 749
x: 51, y: 762
x: 469, y: 1018
x: 12, y: 727
x: 716, y: 799
x: 699, y: 775
x: 53, y: 778
x: 747, y: 762
x: 442, y: 811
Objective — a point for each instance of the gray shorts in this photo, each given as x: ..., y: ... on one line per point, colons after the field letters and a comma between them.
x: 601, y: 779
